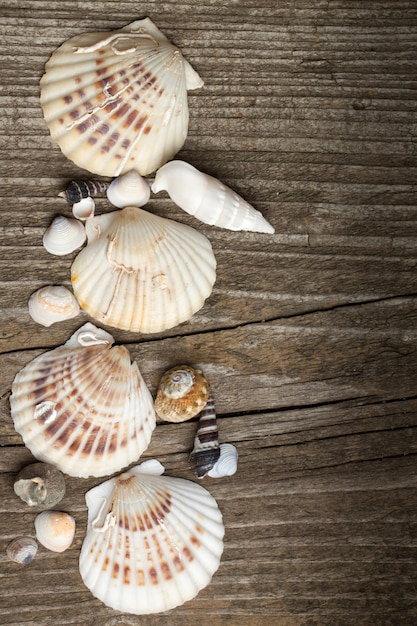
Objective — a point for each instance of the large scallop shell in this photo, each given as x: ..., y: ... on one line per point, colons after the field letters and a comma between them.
x: 84, y: 406
x: 114, y: 101
x: 142, y: 272
x: 152, y: 542
x: 208, y: 199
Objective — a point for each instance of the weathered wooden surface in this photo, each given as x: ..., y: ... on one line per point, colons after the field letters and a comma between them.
x: 309, y: 338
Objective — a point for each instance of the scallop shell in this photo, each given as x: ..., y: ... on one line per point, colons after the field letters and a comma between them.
x: 208, y: 199
x: 55, y: 530
x: 84, y: 209
x: 80, y: 189
x: 84, y: 406
x: 40, y: 484
x: 130, y: 189
x: 152, y: 542
x: 141, y: 272
x: 227, y: 462
x: 64, y: 235
x: 206, y: 451
x: 53, y: 303
x: 182, y: 393
x: 117, y: 101
x: 22, y: 550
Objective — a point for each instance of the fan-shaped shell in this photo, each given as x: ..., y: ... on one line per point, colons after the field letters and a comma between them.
x: 182, y: 393
x: 64, y: 235
x: 84, y: 406
x: 55, y: 530
x: 53, y: 303
x: 152, y: 542
x: 208, y: 199
x: 142, y: 272
x: 117, y: 101
x: 130, y: 189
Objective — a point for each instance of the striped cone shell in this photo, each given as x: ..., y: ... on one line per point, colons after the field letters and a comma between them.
x: 206, y: 451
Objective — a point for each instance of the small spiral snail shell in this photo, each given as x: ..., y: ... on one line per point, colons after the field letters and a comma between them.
x: 206, y: 451
x: 182, y: 393
x: 22, y: 550
x: 40, y: 484
x: 79, y: 189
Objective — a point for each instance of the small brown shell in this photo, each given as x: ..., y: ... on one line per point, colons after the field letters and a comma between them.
x: 182, y: 393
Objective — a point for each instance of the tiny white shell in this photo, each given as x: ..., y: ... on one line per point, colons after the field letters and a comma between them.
x: 55, y: 530
x: 64, y: 235
x: 227, y: 463
x: 130, y: 189
x: 84, y: 209
x: 53, y: 303
x: 22, y: 550
x: 208, y: 199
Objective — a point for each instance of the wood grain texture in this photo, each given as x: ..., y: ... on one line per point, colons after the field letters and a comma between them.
x: 309, y: 338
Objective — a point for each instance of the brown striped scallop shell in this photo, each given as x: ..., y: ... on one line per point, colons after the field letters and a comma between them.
x: 116, y: 101
x: 152, y: 542
x: 84, y: 406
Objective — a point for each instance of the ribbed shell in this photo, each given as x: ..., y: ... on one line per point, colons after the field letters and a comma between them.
x: 114, y: 101
x: 208, y: 199
x: 142, y: 272
x: 84, y: 406
x: 152, y: 542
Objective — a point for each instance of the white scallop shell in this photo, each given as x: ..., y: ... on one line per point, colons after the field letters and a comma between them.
x: 152, y: 542
x: 117, y: 101
x: 130, y: 189
x: 55, y: 530
x: 64, y: 235
x: 208, y: 199
x: 84, y: 406
x: 84, y: 209
x: 227, y: 462
x: 53, y: 303
x: 142, y: 272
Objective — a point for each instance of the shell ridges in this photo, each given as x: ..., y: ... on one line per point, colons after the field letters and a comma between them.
x: 162, y: 541
x: 117, y: 101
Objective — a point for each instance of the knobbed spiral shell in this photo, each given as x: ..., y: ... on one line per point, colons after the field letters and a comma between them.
x: 152, y: 542
x: 55, y: 530
x: 118, y: 101
x: 22, y: 550
x: 182, y: 393
x: 84, y: 406
x: 51, y: 304
x: 142, y: 272
x: 64, y: 235
x: 208, y: 199
x: 40, y: 484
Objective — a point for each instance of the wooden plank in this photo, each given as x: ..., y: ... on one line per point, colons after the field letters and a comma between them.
x: 308, y: 339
